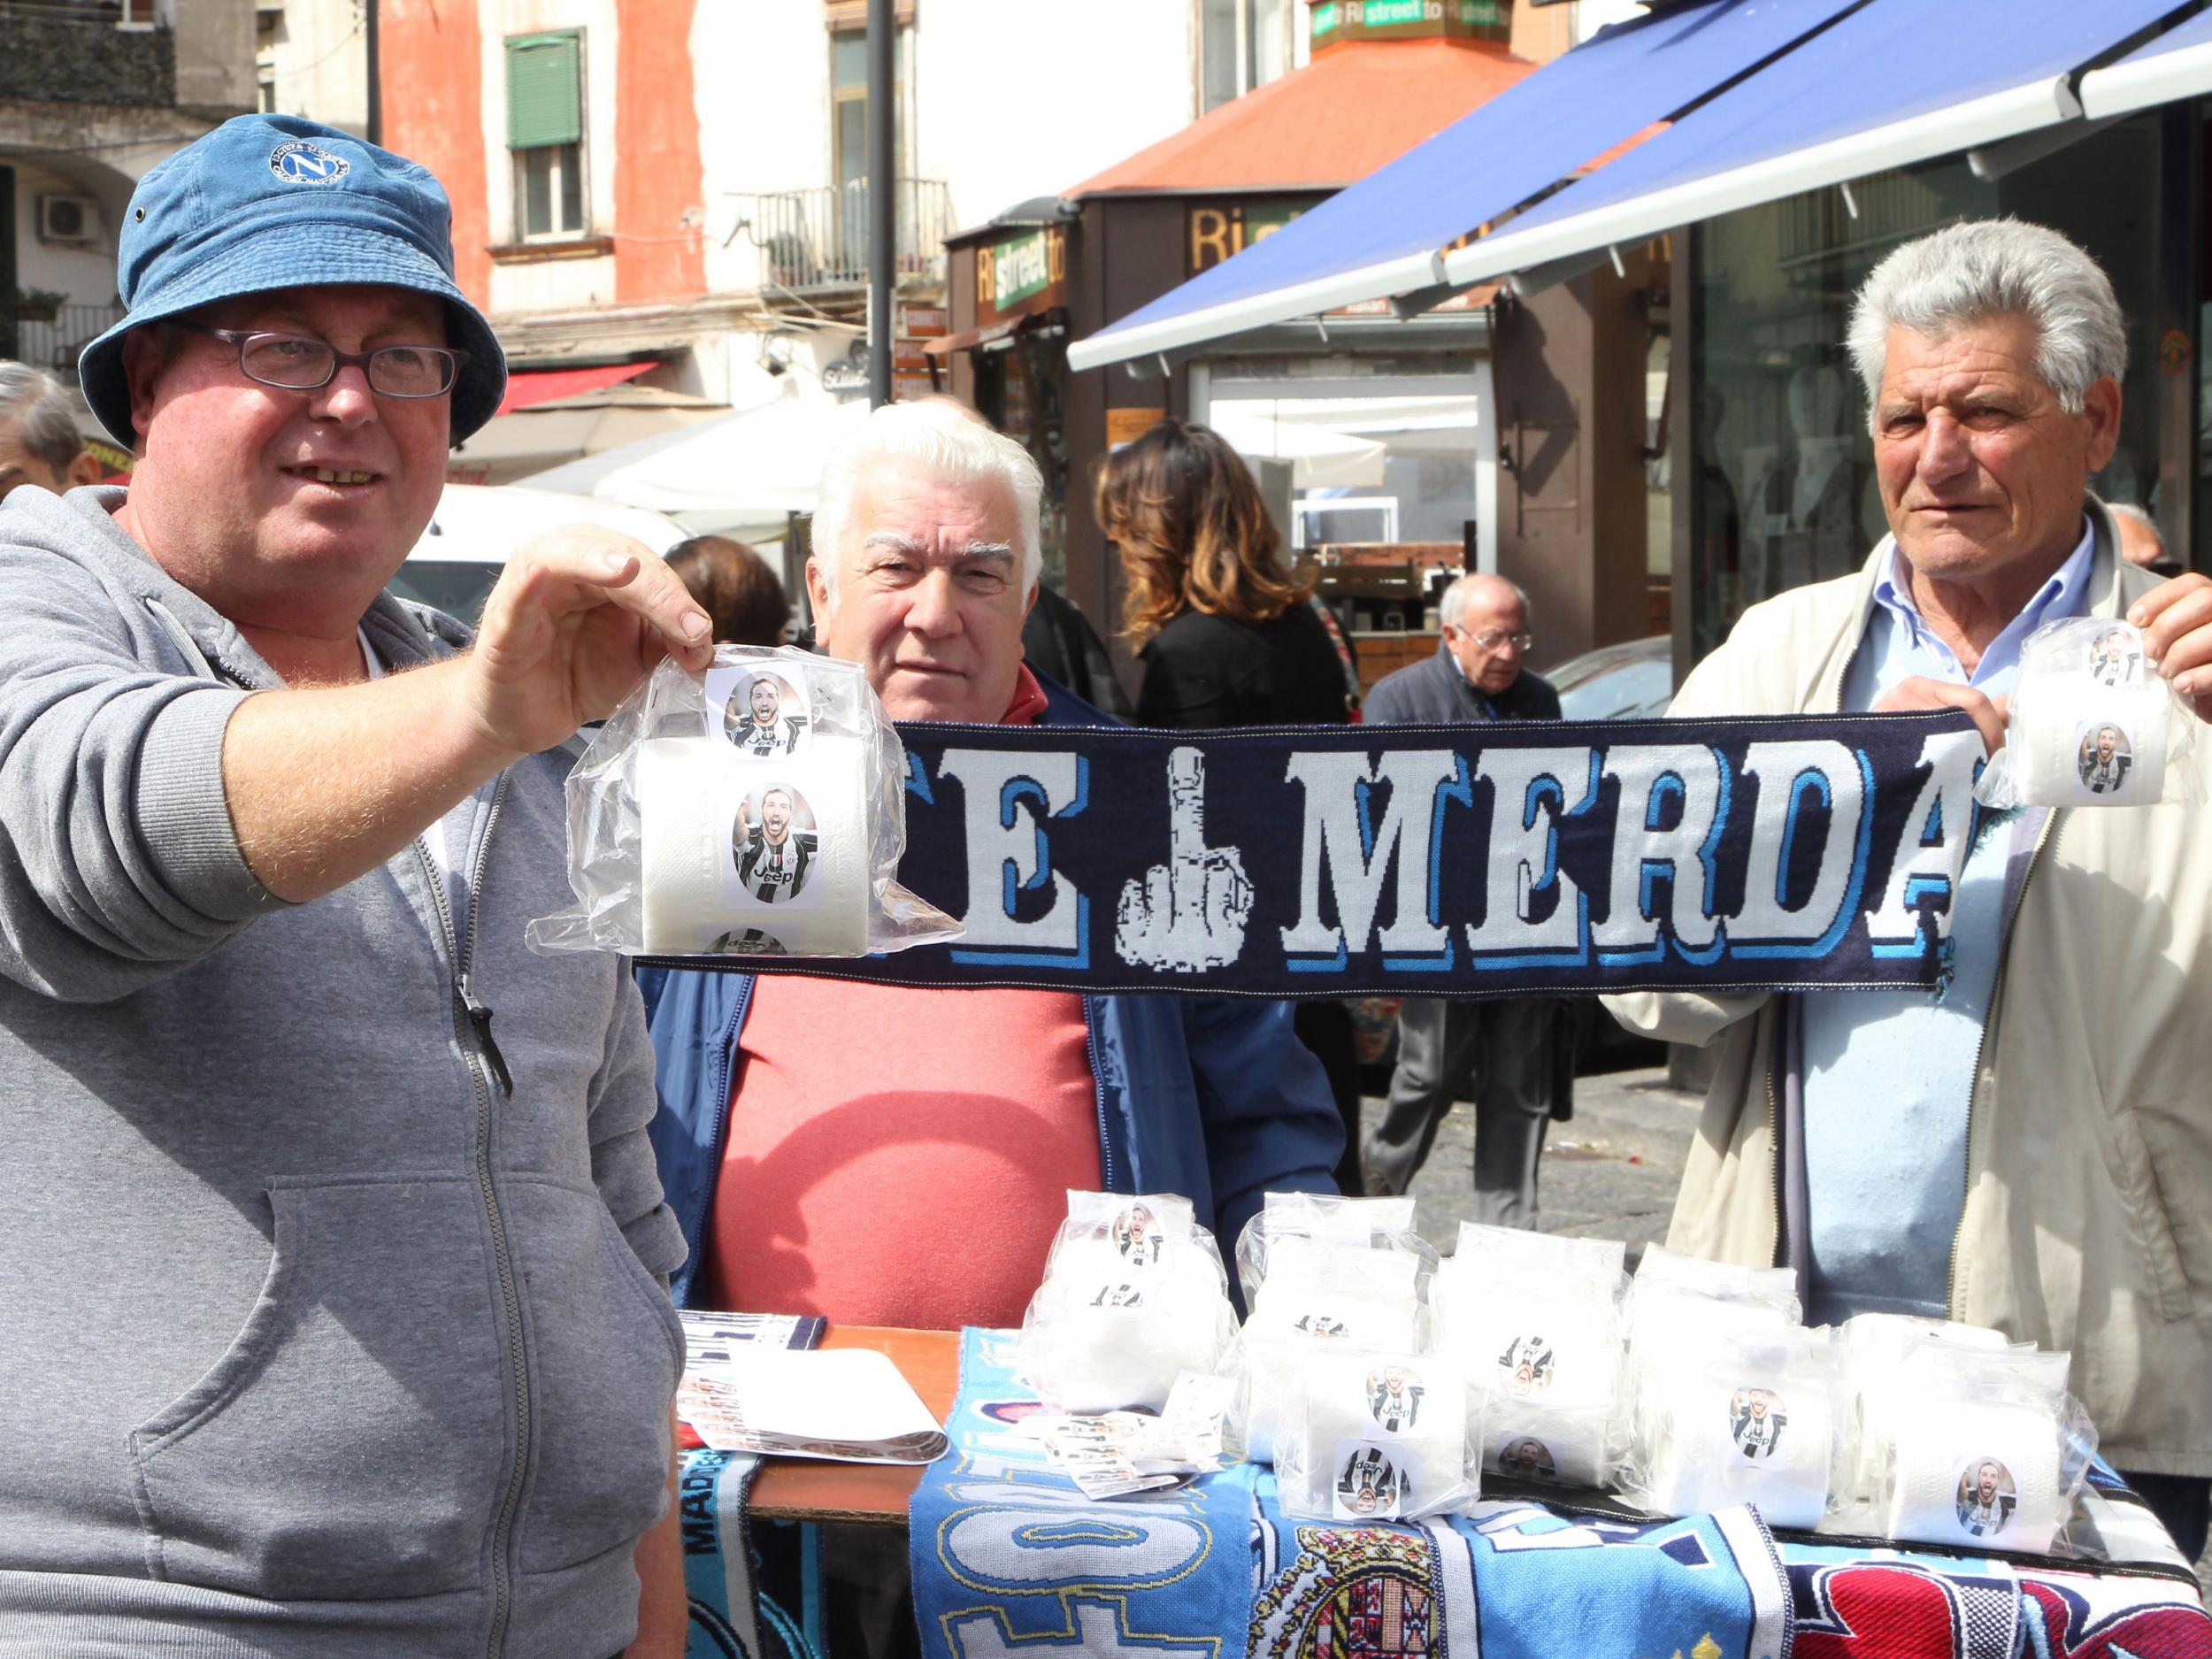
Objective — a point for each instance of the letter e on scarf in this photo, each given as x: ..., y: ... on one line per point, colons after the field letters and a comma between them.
x: 1010, y: 797
x: 1340, y: 831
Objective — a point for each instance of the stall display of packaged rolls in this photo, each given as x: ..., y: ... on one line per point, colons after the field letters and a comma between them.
x: 1384, y: 1382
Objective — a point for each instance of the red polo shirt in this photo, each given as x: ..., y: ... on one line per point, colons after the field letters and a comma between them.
x: 898, y: 1156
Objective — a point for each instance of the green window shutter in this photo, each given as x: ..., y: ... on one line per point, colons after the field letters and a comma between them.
x: 545, y: 100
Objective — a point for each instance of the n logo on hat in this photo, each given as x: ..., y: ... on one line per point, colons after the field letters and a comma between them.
x: 300, y: 162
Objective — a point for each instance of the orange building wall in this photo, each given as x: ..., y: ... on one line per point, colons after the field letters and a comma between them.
x: 659, y: 175
x: 430, y: 78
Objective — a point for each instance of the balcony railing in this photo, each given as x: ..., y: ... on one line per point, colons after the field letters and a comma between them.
x: 53, y: 342
x: 818, y: 239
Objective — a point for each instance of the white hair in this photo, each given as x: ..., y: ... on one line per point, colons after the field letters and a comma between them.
x: 946, y: 441
x: 2128, y: 510
x: 1454, y: 604
x: 41, y: 403
x: 1996, y: 267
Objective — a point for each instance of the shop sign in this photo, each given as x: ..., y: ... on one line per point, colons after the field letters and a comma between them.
x: 1219, y: 231
x: 1334, y: 21
x: 1021, y: 274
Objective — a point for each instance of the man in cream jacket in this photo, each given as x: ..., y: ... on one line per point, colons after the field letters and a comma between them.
x: 2029, y: 1147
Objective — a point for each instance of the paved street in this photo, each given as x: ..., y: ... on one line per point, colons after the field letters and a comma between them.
x: 1609, y: 1172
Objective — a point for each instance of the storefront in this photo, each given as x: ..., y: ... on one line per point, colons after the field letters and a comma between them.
x: 1375, y: 439
x: 1771, y: 419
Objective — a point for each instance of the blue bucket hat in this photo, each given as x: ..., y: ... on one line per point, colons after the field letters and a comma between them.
x: 268, y: 202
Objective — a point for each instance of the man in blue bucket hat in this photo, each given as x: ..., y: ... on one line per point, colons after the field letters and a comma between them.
x: 332, y: 1307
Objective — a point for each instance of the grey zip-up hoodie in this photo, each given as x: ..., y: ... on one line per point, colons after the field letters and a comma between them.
x: 314, y: 1338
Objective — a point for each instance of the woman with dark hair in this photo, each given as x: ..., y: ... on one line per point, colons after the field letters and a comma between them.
x: 1225, y: 633
x: 1227, y: 637
x: 735, y: 587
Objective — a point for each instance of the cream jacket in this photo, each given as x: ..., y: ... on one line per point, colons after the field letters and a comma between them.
x: 2088, y: 1224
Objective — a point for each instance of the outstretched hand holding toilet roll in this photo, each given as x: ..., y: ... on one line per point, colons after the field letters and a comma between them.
x: 692, y: 835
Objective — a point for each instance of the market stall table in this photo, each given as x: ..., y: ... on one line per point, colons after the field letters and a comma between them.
x: 864, y: 1494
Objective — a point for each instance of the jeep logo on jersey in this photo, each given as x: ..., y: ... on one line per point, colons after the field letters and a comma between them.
x: 300, y: 162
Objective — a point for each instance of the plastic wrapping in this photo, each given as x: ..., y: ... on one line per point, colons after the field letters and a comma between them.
x: 759, y: 808
x: 1744, y: 1417
x: 1379, y: 1437
x: 1536, y: 1321
x: 1359, y: 1287
x: 1134, y: 1294
x: 1381, y: 1223
x: 1984, y: 1449
x: 2090, y: 722
x: 1677, y: 1309
x: 1873, y: 1348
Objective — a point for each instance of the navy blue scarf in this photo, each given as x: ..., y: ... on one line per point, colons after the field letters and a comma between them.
x: 1488, y: 859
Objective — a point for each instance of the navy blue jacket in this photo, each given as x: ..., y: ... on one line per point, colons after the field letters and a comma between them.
x: 1434, y: 692
x: 1212, y: 1097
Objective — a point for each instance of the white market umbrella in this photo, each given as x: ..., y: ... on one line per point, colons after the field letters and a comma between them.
x: 1320, y: 456
x: 749, y: 467
x: 482, y: 523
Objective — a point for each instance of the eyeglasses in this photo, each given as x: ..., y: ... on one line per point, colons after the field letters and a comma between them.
x: 1492, y: 642
x: 301, y: 362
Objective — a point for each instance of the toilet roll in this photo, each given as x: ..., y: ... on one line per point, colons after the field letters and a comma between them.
x: 1377, y: 1437
x: 1978, y: 1475
x: 1879, y: 1395
x: 697, y: 897
x: 1379, y: 1224
x: 1541, y: 1440
x: 1751, y: 1420
x: 1134, y: 1294
x: 1319, y: 1297
x: 2090, y: 722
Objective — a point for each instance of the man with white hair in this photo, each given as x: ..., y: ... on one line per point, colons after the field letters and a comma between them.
x: 803, y: 1165
x: 811, y: 1130
x: 39, y: 440
x: 2027, y: 1146
x: 1503, y: 1046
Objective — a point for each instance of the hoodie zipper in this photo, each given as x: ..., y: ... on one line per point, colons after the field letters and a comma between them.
x: 1098, y: 1092
x: 472, y: 1025
x: 2049, y: 833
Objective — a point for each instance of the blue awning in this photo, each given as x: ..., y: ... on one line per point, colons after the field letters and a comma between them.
x: 2176, y: 65
x: 1385, y: 235
x: 1896, y: 82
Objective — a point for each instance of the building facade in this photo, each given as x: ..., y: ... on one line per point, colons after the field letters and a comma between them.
x: 92, y: 94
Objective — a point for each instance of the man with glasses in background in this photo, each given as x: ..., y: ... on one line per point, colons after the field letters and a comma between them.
x: 1507, y: 1050
x: 335, y: 1317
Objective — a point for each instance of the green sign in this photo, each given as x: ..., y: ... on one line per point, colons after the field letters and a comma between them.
x: 1019, y: 268
x: 1334, y: 21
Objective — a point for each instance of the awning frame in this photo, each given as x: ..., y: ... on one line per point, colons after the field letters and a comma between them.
x: 1983, y: 121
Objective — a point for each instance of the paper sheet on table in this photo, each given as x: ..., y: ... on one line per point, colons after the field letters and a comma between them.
x: 847, y: 1405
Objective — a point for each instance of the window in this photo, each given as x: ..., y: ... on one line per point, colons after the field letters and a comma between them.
x: 545, y: 134
x: 849, y: 105
x: 1241, y: 44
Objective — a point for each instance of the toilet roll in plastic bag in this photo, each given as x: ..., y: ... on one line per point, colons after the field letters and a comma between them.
x: 1744, y: 1417
x: 1379, y: 1224
x: 2090, y: 722
x: 1536, y: 1320
x: 1321, y: 1297
x: 1676, y: 1307
x: 1873, y: 1348
x: 1378, y: 1437
x: 759, y: 808
x: 1992, y: 1453
x: 1134, y: 1294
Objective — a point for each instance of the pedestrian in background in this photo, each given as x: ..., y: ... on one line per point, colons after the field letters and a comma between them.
x: 735, y: 587
x: 39, y: 440
x: 1226, y: 638
x: 1508, y: 1049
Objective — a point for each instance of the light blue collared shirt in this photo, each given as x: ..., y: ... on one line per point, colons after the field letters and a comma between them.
x: 1888, y: 1074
